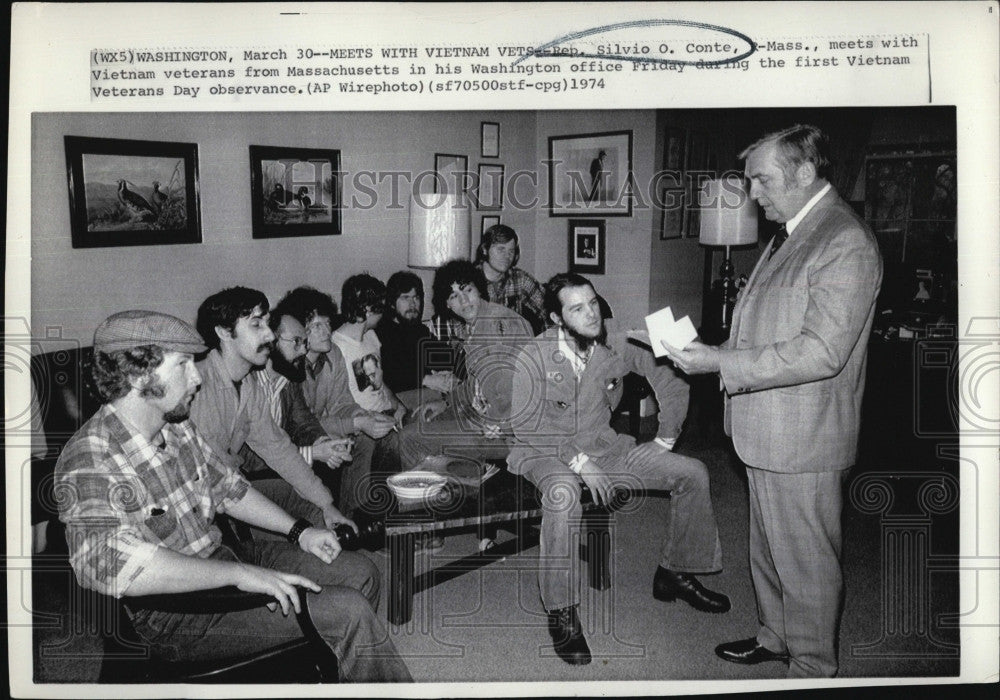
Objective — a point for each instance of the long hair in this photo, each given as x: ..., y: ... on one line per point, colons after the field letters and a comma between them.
x: 460, y: 272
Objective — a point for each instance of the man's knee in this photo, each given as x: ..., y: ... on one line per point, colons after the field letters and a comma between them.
x: 560, y: 494
x: 339, y: 608
x: 689, y: 473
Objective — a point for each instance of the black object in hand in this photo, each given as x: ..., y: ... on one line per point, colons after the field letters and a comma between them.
x: 370, y: 535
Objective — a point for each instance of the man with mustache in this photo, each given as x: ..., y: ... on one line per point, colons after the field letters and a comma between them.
x: 281, y: 381
x: 231, y: 412
x: 143, y: 488
x: 567, y: 382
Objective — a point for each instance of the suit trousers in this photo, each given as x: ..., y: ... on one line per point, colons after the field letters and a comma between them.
x: 691, y: 542
x: 795, y: 545
x: 344, y: 615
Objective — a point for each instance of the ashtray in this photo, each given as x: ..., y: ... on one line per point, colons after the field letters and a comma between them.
x: 416, y: 484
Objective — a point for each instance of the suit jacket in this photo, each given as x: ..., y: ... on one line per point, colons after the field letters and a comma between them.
x: 794, y: 365
x: 556, y: 415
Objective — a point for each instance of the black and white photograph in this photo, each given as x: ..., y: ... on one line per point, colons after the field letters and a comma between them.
x: 685, y: 393
x: 587, y: 246
x: 589, y: 174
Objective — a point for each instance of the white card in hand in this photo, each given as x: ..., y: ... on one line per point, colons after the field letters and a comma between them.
x: 662, y: 326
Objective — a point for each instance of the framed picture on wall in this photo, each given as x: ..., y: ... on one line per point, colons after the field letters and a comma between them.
x: 487, y: 222
x: 489, y: 146
x: 586, y: 246
x: 125, y: 192
x: 451, y: 173
x: 489, y: 187
x: 671, y: 201
x: 294, y: 192
x: 674, y: 149
x: 590, y: 174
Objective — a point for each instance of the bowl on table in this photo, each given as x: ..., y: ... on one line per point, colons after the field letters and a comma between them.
x: 414, y: 485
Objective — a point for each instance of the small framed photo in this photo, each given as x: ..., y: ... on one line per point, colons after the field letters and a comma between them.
x: 295, y: 192
x: 674, y: 149
x: 488, y: 221
x: 590, y: 174
x: 132, y: 192
x: 451, y: 173
x: 489, y: 142
x: 671, y: 202
x: 586, y: 246
x: 489, y: 187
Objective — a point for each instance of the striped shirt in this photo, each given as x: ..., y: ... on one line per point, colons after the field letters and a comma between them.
x: 122, y: 496
x: 272, y: 384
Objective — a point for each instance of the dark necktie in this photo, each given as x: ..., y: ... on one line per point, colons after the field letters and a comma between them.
x: 779, y: 238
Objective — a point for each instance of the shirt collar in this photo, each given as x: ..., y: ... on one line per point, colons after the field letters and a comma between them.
x: 578, y: 363
x: 797, y: 219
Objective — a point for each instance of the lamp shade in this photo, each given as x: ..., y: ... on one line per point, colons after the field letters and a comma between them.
x: 728, y: 215
x: 439, y: 229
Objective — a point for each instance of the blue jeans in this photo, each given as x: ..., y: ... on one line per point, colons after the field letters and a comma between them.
x: 344, y: 615
x: 690, y: 541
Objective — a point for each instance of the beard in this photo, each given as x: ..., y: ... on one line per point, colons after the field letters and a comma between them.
x: 180, y: 412
x: 584, y: 342
x: 293, y: 371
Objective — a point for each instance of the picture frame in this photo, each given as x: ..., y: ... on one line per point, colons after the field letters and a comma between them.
x: 587, y: 246
x: 489, y: 140
x: 583, y: 182
x: 451, y: 173
x: 489, y: 187
x: 295, y: 192
x: 488, y: 221
x: 671, y: 201
x: 674, y: 150
x: 115, y: 197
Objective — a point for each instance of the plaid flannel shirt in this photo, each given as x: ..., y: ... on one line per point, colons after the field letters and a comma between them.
x: 519, y: 291
x: 121, y: 497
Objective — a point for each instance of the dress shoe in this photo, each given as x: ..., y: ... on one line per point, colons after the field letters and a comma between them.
x: 567, y: 636
x: 748, y: 651
x: 669, y: 585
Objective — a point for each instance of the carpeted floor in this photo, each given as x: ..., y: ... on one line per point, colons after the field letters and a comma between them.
x: 489, y: 625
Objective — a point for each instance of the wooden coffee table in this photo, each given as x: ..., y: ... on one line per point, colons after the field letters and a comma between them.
x: 505, y: 500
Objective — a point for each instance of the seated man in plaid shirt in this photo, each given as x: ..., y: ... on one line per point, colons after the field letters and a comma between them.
x: 141, y: 490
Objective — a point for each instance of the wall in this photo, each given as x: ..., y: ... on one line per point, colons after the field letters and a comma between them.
x: 75, y: 289
x: 626, y: 281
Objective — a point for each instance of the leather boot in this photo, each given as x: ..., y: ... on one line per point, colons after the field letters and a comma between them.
x: 567, y: 636
x: 669, y: 585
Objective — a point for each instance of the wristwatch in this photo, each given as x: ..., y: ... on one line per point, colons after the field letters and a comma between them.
x: 300, y: 526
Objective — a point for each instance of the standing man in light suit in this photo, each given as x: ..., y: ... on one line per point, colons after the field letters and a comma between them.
x: 794, y: 373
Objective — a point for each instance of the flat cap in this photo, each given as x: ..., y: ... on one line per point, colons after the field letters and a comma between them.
x: 132, y: 329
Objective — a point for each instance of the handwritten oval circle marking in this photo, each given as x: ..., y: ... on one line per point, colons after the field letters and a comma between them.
x: 538, y: 52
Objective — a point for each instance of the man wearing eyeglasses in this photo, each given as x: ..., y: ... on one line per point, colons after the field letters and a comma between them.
x: 328, y: 395
x: 281, y: 381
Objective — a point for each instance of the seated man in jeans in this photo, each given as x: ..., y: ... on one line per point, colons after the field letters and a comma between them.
x: 142, y: 490
x: 566, y: 383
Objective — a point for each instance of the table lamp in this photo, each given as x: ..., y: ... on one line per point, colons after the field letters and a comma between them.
x: 439, y: 229
x: 728, y: 218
